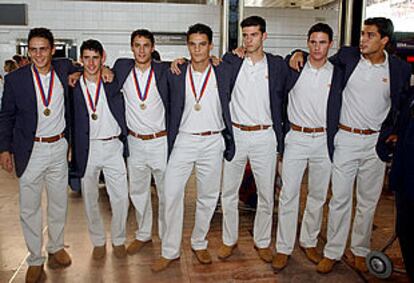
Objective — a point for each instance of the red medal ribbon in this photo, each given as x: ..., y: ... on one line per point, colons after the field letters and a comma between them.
x: 96, y: 99
x: 150, y: 75
x: 203, y: 87
x: 46, y: 100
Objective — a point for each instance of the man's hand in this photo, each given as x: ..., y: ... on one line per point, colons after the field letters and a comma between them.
x: 107, y: 75
x: 215, y: 60
x: 239, y: 52
x: 174, y: 65
x: 296, y: 61
x: 73, y: 79
x: 6, y: 161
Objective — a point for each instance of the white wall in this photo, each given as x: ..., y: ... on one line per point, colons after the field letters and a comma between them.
x: 112, y: 23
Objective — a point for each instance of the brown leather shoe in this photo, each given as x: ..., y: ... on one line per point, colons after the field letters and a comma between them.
x: 35, y: 274
x: 325, y: 265
x: 279, y: 262
x: 59, y: 259
x: 99, y: 252
x: 312, y: 254
x: 119, y: 251
x: 161, y: 264
x: 203, y: 256
x: 136, y: 246
x: 360, y: 264
x: 265, y: 254
x: 225, y: 251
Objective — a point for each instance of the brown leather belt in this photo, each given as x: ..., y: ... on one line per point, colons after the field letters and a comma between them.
x: 49, y: 139
x: 251, y: 128
x: 149, y: 136
x: 357, y: 131
x: 307, y: 130
x: 208, y: 133
x: 109, y: 139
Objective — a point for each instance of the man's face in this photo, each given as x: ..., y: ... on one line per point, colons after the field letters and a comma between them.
x: 142, y: 49
x: 319, y: 44
x: 253, y: 38
x: 41, y: 52
x: 92, y: 62
x: 199, y: 47
x: 370, y: 41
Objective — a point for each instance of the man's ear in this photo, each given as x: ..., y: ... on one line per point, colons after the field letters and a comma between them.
x: 264, y: 36
x: 103, y: 57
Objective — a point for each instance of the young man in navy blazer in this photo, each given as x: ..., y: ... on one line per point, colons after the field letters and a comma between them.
x: 200, y: 134
x: 310, y: 93
x: 365, y: 115
x: 34, y: 130
x: 142, y: 82
x: 258, y: 94
x: 99, y: 138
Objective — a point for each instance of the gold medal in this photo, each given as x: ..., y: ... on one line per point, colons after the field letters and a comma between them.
x: 143, y: 106
x: 47, y: 112
x: 197, y: 106
x: 94, y: 116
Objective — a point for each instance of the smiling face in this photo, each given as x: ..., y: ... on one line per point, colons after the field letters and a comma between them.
x: 92, y: 62
x: 319, y: 44
x: 253, y: 39
x: 370, y: 42
x: 41, y: 53
x: 142, y: 48
x: 199, y: 47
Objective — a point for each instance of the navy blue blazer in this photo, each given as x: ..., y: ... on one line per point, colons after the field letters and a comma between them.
x: 278, y: 74
x: 334, y: 97
x: 402, y: 170
x: 18, y: 116
x: 176, y: 90
x: 80, y: 148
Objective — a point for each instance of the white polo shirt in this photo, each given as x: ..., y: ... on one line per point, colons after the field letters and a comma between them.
x: 308, y: 98
x: 105, y: 126
x: 250, y: 100
x: 55, y: 123
x: 209, y: 117
x: 151, y: 119
x: 366, y: 98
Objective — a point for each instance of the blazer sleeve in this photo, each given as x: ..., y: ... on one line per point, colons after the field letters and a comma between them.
x: 7, y: 116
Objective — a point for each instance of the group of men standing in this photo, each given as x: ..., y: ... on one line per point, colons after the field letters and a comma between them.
x: 331, y: 116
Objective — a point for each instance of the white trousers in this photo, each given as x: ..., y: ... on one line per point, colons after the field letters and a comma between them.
x: 146, y: 157
x: 205, y: 153
x: 302, y: 150
x: 354, y: 158
x: 259, y: 147
x: 47, y: 166
x: 106, y: 156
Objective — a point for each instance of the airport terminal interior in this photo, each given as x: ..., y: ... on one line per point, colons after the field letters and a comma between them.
x: 111, y: 22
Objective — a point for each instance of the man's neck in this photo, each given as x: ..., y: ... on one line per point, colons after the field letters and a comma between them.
x: 375, y: 58
x: 143, y: 66
x: 256, y: 56
x: 92, y: 77
x: 44, y: 70
x: 200, y: 66
x: 317, y: 63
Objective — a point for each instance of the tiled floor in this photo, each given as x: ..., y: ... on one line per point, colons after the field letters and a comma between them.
x: 243, y: 266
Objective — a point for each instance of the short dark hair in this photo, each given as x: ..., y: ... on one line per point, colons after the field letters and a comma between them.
x: 201, y: 29
x: 254, y: 21
x: 385, y: 26
x: 91, y: 44
x: 144, y: 33
x: 321, y: 27
x: 41, y: 32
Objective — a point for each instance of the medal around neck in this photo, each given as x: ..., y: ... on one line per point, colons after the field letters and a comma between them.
x: 143, y: 106
x: 47, y: 112
x: 94, y: 116
x: 197, y: 106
